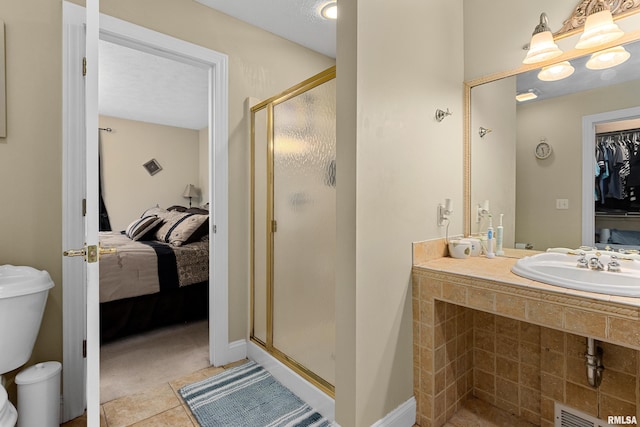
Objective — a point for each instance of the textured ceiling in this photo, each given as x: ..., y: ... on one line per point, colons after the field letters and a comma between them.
x: 140, y: 86
x: 296, y: 20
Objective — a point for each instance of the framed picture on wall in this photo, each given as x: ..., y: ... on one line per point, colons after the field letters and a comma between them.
x: 152, y: 166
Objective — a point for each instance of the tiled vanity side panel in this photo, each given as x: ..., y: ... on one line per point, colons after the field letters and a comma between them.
x: 560, y: 355
x: 506, y: 364
x: 443, y: 355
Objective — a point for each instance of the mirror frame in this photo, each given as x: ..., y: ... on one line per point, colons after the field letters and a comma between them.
x: 566, y: 31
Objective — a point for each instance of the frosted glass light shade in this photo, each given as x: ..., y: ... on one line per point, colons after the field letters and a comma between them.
x: 555, y: 72
x: 542, y: 48
x: 608, y: 58
x: 598, y: 30
x: 330, y: 10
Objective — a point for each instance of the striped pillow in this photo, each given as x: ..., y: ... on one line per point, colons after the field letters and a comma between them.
x: 140, y: 227
x: 180, y: 227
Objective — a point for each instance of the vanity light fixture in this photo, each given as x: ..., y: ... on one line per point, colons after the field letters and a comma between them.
x: 527, y: 96
x: 599, y: 28
x: 542, y: 47
x: 330, y: 10
x: 608, y: 58
x: 555, y: 72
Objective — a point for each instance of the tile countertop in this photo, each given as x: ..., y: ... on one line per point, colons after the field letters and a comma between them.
x: 489, y: 285
x: 498, y: 270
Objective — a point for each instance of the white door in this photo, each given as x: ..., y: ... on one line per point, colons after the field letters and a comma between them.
x: 80, y: 142
x: 91, y: 216
x: 85, y: 222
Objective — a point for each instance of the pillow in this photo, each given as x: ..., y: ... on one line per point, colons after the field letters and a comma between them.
x: 198, y: 211
x: 156, y: 210
x: 177, y: 208
x: 179, y: 227
x: 142, y: 226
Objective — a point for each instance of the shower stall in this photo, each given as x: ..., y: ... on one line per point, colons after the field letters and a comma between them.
x: 293, y: 146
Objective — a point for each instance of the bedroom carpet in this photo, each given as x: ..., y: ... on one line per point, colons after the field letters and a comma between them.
x: 140, y: 362
x: 248, y: 396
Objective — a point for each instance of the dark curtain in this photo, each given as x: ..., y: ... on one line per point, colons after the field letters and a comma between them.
x: 103, y: 216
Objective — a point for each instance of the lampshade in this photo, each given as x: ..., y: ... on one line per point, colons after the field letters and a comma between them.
x: 542, y: 47
x: 190, y: 191
x: 555, y: 72
x: 599, y: 28
x: 608, y: 58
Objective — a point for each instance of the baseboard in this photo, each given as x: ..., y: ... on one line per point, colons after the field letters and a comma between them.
x: 301, y: 387
x: 237, y: 350
x: 403, y: 416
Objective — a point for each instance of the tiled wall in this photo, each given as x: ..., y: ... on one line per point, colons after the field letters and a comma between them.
x: 515, y: 365
x: 506, y: 364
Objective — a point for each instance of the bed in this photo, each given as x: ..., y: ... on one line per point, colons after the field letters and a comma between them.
x: 159, y: 274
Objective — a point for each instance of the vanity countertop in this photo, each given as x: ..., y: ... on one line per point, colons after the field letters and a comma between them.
x: 489, y: 285
x: 498, y: 270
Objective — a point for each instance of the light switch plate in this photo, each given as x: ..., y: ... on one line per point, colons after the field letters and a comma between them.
x: 562, y: 203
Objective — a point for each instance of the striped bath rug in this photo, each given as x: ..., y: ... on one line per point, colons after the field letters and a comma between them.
x: 248, y: 396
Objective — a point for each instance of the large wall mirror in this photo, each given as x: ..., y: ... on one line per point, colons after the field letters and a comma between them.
x: 525, y: 160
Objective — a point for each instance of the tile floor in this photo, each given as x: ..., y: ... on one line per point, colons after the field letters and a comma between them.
x: 160, y: 406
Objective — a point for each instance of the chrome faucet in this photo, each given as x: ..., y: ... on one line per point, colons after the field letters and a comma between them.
x: 582, y: 261
x: 595, y: 263
x: 614, y: 264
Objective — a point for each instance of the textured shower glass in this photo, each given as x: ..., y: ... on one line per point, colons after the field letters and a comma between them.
x: 260, y: 226
x: 305, y: 241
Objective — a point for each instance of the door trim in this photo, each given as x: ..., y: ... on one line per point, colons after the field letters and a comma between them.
x: 588, y: 148
x: 122, y: 32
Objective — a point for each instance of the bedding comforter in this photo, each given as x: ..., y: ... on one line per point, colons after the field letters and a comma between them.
x: 147, y: 267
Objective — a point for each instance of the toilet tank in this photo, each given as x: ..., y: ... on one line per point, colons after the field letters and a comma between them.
x: 23, y: 295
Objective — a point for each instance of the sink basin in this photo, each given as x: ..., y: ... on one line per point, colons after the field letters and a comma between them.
x: 561, y: 269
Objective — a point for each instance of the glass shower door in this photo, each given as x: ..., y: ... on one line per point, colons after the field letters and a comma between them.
x: 304, y: 241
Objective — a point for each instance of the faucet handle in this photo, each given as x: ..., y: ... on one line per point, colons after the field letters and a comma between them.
x: 595, y: 263
x: 582, y: 261
x: 614, y: 264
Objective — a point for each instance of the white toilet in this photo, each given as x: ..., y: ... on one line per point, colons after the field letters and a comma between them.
x: 23, y: 295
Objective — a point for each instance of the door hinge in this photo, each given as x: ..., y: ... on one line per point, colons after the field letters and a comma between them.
x: 84, y: 207
x: 84, y: 349
x: 274, y: 226
x: 84, y: 66
x: 215, y: 229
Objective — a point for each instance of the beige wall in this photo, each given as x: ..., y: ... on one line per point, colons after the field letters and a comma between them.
x: 31, y: 154
x: 128, y: 190
x: 493, y: 170
x: 541, y: 182
x: 203, y: 165
x: 260, y: 65
x: 395, y: 164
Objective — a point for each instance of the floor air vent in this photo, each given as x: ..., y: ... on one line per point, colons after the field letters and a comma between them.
x: 570, y: 417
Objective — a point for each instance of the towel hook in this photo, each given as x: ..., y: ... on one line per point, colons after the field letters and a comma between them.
x: 440, y: 115
x: 483, y: 131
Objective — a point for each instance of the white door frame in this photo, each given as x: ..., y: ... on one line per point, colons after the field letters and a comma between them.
x: 588, y: 175
x: 74, y: 306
